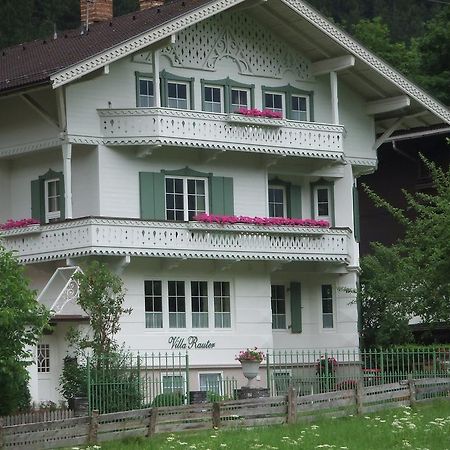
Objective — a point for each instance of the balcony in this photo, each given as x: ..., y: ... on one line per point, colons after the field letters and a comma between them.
x: 194, y: 129
x: 133, y: 237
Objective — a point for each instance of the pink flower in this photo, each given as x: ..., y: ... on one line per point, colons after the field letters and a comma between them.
x: 11, y: 223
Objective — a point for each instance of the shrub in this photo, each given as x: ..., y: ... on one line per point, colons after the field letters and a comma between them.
x: 169, y: 399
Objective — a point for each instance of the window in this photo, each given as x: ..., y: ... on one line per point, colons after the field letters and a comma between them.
x: 43, y: 358
x: 172, y: 383
x: 222, y: 311
x: 278, y: 300
x: 327, y: 306
x: 187, y: 304
x: 299, y: 108
x: 211, y: 382
x: 274, y: 102
x: 47, y: 197
x: 199, y: 304
x: 178, y: 95
x: 226, y: 95
x: 146, y: 95
x: 322, y: 202
x: 293, y: 103
x: 277, y: 201
x: 52, y: 198
x: 240, y: 98
x: 153, y: 304
x: 185, y: 197
x: 177, y: 304
x: 213, y: 99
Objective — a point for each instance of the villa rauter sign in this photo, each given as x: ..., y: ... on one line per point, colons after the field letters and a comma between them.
x: 188, y: 343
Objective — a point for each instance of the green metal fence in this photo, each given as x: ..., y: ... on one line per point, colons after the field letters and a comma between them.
x: 314, y: 371
x: 122, y: 383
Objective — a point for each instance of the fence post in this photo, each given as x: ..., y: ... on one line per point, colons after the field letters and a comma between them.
x: 216, y: 415
x: 2, y: 443
x: 359, y: 397
x: 291, y: 405
x: 412, y: 392
x: 152, y: 422
x: 93, y: 428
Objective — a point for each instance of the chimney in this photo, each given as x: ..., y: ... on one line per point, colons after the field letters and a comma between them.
x: 146, y: 4
x: 95, y: 11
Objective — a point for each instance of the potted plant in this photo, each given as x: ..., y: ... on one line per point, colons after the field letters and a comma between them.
x: 250, y: 360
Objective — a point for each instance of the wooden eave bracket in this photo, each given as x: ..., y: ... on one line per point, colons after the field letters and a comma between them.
x: 388, y: 104
x: 337, y: 64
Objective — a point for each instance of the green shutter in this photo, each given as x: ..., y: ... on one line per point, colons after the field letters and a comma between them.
x: 295, y: 202
x: 296, y: 308
x: 356, y: 228
x: 221, y: 196
x: 37, y: 201
x: 151, y: 191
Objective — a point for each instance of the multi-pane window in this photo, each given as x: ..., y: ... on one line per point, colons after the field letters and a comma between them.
x: 322, y: 203
x: 199, y: 304
x: 239, y: 99
x: 278, y: 301
x: 52, y: 200
x: 43, y: 358
x: 178, y: 95
x: 277, y: 201
x: 146, y: 95
x: 274, y: 102
x: 213, y: 99
x: 172, y: 383
x: 299, y: 108
x: 211, y: 382
x: 153, y: 304
x: 185, y: 197
x: 222, y: 307
x: 327, y: 306
x: 177, y: 304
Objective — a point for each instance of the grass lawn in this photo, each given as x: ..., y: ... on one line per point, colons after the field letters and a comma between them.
x: 426, y: 427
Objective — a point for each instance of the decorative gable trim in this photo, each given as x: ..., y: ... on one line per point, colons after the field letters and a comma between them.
x: 369, y: 58
x: 140, y: 42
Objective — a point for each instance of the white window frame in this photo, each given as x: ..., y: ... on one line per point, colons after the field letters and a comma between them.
x: 232, y: 109
x: 172, y: 374
x: 185, y: 194
x: 285, y: 307
x: 51, y: 215
x: 283, y: 188
x: 316, y: 203
x: 153, y: 313
x: 221, y: 312
x: 308, y: 107
x: 43, y: 364
x: 333, y: 306
x: 283, y: 101
x: 149, y: 97
x: 188, y: 94
x: 177, y: 314
x: 222, y: 102
x: 220, y: 384
x: 192, y: 312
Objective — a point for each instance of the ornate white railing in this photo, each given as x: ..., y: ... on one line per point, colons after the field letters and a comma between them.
x: 175, y: 127
x: 103, y: 236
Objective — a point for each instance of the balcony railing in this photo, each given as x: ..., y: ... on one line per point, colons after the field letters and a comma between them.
x: 122, y: 237
x: 181, y: 128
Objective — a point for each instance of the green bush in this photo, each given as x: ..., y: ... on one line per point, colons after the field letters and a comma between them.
x: 73, y: 380
x: 14, y: 393
x: 169, y: 399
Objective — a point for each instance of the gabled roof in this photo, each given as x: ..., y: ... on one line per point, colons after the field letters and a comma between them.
x: 74, y: 55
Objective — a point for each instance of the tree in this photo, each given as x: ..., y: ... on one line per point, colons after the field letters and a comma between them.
x: 101, y: 296
x: 22, y: 320
x: 411, y: 277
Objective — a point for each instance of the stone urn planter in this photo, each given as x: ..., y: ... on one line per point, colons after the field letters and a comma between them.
x: 250, y: 370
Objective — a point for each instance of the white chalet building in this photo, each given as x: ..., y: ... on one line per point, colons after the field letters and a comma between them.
x: 114, y: 137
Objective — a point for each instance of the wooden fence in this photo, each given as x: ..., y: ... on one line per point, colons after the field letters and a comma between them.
x: 38, y: 416
x: 289, y: 408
